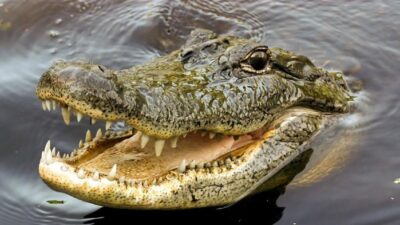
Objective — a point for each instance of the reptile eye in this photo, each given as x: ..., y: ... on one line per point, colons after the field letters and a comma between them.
x: 258, y: 60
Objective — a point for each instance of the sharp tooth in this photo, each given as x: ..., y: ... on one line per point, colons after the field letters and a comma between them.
x: 99, y: 134
x: 113, y: 172
x: 182, y: 166
x: 211, y: 135
x: 192, y: 164
x: 96, y: 175
x: 144, y: 139
x: 174, y: 141
x: 47, y: 147
x: 53, y: 152
x: 54, y: 105
x: 79, y: 116
x: 80, y: 143
x: 108, y: 124
x: 81, y: 173
x: 92, y: 121
x: 44, y: 107
x: 49, y: 158
x: 48, y: 105
x: 88, y: 136
x: 65, y: 115
x: 122, y: 179
x: 159, y: 145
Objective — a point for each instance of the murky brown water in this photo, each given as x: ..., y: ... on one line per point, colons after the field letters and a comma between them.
x: 359, y: 37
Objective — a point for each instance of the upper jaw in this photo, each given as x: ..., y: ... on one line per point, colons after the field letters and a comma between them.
x: 97, y: 93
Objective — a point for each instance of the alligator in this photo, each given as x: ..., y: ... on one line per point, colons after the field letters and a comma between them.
x: 202, y: 126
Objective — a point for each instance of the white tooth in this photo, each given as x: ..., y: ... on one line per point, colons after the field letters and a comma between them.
x: 80, y: 143
x: 144, y: 139
x: 99, y: 134
x: 211, y: 135
x: 200, y: 165
x: 53, y: 152
x: 54, y: 105
x: 96, y: 175
x: 48, y: 105
x: 108, y: 124
x: 159, y: 145
x: 122, y: 179
x: 58, y: 155
x: 88, y: 136
x: 81, y: 173
x: 79, y: 116
x: 49, y: 158
x: 184, y: 135
x: 44, y: 107
x: 113, y: 172
x: 174, y: 141
x: 192, y: 164
x: 92, y: 121
x: 47, y: 147
x: 65, y: 115
x: 182, y: 166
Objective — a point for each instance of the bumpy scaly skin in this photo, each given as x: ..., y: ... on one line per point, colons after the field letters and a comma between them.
x: 209, y: 85
x: 199, y: 87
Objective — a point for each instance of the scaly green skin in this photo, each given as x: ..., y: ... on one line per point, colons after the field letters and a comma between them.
x: 209, y: 91
x: 202, y: 86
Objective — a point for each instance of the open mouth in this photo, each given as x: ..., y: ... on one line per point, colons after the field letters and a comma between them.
x: 131, y: 157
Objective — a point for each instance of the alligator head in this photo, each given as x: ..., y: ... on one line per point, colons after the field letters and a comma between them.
x: 203, y: 125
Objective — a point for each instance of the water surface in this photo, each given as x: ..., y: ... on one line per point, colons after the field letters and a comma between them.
x: 360, y: 37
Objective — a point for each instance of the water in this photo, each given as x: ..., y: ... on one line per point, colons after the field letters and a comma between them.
x: 360, y: 37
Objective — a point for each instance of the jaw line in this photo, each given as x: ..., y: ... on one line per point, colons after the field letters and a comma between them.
x: 105, y: 189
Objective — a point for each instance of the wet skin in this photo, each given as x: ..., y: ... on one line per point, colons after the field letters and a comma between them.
x: 204, y: 125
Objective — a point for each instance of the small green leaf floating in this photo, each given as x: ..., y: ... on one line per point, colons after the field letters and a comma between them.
x: 55, y: 202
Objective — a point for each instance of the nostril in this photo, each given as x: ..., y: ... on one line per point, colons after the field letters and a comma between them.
x: 101, y: 68
x: 186, y: 54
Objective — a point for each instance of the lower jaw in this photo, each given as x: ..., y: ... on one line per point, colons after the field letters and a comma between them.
x: 167, y: 191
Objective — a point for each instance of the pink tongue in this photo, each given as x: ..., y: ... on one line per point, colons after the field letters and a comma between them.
x: 193, y: 147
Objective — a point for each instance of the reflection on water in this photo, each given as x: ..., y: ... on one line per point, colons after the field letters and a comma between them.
x: 361, y: 38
